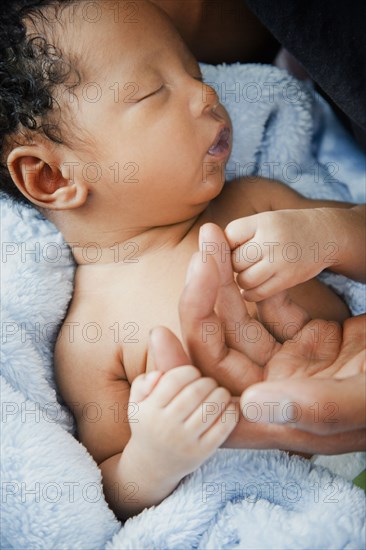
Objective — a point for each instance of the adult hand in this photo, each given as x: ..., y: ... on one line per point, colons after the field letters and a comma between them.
x: 322, y: 370
x: 325, y: 379
x: 223, y: 340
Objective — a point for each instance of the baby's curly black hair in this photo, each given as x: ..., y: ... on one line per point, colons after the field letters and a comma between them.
x: 31, y: 68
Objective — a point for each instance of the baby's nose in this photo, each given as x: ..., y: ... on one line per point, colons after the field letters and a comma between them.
x: 203, y: 98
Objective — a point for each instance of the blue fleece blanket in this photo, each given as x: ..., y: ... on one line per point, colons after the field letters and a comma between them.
x: 51, y: 487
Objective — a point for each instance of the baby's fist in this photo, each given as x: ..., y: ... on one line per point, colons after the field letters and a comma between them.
x: 143, y: 385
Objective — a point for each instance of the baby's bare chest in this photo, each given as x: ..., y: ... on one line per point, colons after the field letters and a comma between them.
x: 137, y: 296
x: 151, y: 301
x: 118, y: 314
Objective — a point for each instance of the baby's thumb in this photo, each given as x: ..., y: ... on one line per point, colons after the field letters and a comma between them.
x: 143, y: 385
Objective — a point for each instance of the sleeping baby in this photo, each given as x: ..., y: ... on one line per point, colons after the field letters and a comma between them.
x: 126, y: 158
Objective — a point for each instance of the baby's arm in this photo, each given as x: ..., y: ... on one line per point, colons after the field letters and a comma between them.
x: 143, y: 448
x: 294, y: 240
x: 174, y: 430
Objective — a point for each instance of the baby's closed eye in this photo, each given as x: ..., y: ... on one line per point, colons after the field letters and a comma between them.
x: 151, y: 93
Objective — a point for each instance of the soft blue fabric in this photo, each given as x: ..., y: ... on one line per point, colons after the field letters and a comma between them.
x: 51, y: 487
x: 255, y: 500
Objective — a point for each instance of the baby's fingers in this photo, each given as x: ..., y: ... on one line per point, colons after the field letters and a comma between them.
x: 254, y: 276
x: 241, y: 230
x: 143, y: 385
x: 246, y: 256
x: 190, y: 397
x: 173, y: 383
x: 269, y: 288
x: 220, y: 430
x: 208, y: 411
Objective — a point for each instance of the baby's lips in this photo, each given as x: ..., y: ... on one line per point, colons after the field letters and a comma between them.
x: 221, y: 146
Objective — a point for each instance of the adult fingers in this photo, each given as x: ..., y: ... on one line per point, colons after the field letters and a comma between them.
x: 203, y: 330
x: 317, y: 405
x: 311, y: 351
x: 353, y: 344
x: 282, y: 316
x: 252, y: 434
x: 241, y: 331
x: 166, y: 349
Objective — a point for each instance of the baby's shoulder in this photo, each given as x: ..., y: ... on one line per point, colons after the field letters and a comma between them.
x: 242, y: 197
x: 85, y: 355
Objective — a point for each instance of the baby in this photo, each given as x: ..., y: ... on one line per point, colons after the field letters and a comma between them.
x: 134, y: 170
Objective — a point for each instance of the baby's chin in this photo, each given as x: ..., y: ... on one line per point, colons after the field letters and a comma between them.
x: 212, y: 185
x: 217, y: 158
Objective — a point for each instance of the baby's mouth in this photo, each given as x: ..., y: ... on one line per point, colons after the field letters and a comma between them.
x: 221, y: 144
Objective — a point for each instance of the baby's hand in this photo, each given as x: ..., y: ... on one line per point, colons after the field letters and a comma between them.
x: 276, y: 250
x: 184, y: 419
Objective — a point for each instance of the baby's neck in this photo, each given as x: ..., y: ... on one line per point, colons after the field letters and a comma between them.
x: 130, y: 246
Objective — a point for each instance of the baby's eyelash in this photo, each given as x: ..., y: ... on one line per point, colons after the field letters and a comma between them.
x: 151, y: 94
x: 198, y: 77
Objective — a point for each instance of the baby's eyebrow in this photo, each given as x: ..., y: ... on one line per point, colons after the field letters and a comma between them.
x: 185, y: 54
x: 152, y: 55
x: 190, y: 60
x: 152, y: 63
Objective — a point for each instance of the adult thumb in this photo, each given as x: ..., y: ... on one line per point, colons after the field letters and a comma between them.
x: 166, y: 349
x: 316, y: 405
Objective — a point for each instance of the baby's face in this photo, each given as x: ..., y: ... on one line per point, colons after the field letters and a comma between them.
x: 149, y: 118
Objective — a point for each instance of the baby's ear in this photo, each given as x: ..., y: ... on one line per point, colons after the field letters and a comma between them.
x: 42, y: 182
